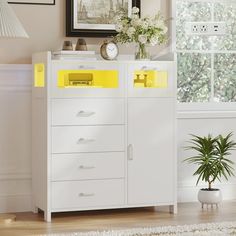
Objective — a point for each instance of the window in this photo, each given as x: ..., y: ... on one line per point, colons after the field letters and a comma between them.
x: 206, y: 64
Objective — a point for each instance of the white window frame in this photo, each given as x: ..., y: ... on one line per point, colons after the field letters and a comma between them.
x: 201, y: 106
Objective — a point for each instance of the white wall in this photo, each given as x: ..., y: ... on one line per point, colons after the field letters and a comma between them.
x: 15, y: 141
x: 46, y: 28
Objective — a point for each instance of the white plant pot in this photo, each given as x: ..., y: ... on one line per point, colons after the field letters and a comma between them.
x: 210, y: 197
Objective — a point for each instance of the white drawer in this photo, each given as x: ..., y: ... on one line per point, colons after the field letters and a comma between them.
x: 88, y: 166
x: 58, y: 92
x: 87, y: 111
x: 88, y: 139
x: 85, y: 194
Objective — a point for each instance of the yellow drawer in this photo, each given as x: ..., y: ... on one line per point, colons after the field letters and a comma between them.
x: 95, y: 79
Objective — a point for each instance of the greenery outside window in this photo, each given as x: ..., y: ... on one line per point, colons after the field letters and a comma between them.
x: 206, y: 64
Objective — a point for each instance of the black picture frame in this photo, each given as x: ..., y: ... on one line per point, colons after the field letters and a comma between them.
x: 72, y: 32
x: 33, y: 3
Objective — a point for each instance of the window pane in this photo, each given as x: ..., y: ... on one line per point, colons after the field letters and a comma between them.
x: 226, y: 12
x: 187, y: 12
x: 225, y: 77
x: 194, y: 77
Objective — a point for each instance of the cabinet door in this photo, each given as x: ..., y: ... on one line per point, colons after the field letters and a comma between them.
x: 151, y: 151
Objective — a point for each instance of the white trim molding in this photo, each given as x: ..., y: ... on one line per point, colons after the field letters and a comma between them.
x: 15, y: 176
x: 206, y: 115
x: 15, y: 78
x: 16, y: 67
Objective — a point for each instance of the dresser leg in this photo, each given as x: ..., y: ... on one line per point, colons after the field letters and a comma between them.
x: 47, y: 216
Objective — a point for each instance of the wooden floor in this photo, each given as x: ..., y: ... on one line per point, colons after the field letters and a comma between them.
x: 189, y: 213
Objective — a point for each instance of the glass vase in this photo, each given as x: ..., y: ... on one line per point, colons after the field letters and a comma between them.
x: 141, y: 52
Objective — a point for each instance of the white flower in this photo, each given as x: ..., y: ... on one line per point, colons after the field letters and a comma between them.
x: 150, y: 22
x: 135, y: 10
x: 144, y: 24
x: 154, y: 41
x: 147, y: 30
x: 134, y: 17
x: 119, y: 27
x: 165, y: 30
x: 136, y: 22
x: 130, y: 31
x: 125, y: 29
x: 117, y: 18
x: 160, y: 24
x: 142, y: 38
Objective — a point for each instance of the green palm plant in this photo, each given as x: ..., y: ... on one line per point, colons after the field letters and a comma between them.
x: 212, y: 157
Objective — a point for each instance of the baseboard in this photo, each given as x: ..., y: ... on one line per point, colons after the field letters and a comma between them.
x: 23, y: 202
x: 15, y: 203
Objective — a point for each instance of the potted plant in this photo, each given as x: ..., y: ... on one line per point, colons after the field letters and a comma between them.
x: 142, y: 31
x: 213, y: 160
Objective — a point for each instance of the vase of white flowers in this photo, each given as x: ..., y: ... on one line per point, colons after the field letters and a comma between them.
x: 141, y: 52
x: 142, y: 31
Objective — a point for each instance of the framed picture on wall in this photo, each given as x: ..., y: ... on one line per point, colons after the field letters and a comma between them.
x: 37, y: 2
x: 94, y: 18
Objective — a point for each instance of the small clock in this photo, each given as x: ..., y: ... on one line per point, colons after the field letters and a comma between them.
x: 109, y: 50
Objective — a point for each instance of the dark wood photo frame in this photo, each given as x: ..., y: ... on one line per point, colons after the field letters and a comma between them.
x: 72, y: 31
x: 32, y: 3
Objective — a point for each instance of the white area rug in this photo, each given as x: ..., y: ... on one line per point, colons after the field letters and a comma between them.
x: 215, y: 229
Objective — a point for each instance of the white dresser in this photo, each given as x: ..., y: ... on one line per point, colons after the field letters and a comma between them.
x: 103, y: 134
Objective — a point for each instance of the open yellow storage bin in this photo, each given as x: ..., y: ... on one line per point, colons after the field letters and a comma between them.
x: 150, y: 79
x: 88, y: 79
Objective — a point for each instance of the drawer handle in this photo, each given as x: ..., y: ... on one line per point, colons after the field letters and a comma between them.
x: 86, y: 167
x: 130, y: 152
x: 85, y: 113
x: 86, y: 195
x: 85, y: 141
x: 145, y: 68
x: 82, y: 67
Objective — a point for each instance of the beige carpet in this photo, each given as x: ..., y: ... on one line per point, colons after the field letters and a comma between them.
x: 216, y: 229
